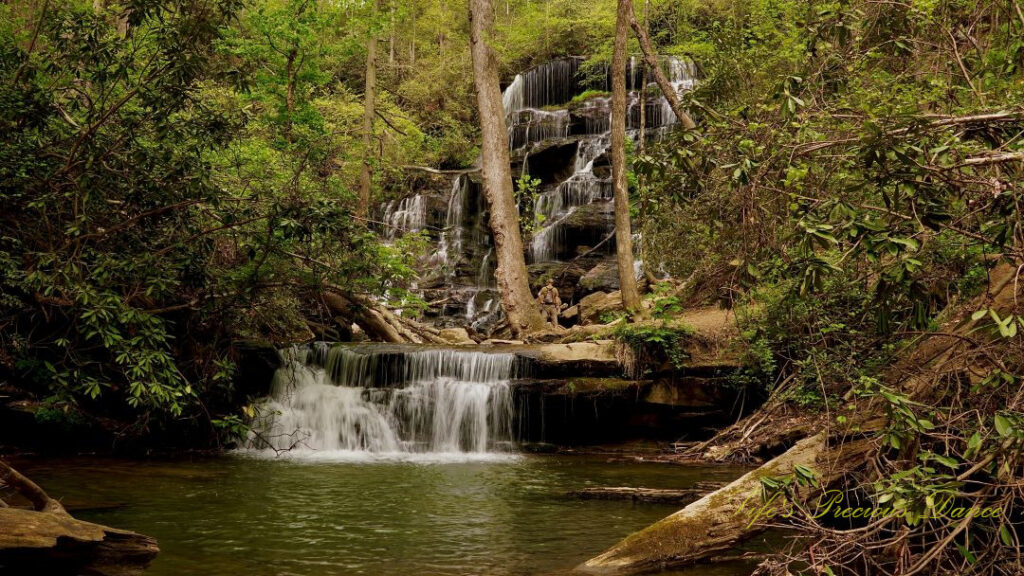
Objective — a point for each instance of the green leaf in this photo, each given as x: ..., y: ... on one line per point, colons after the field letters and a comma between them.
x: 1005, y: 535
x: 979, y: 315
x: 1003, y: 425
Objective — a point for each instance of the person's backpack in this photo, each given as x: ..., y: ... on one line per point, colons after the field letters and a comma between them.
x: 549, y: 298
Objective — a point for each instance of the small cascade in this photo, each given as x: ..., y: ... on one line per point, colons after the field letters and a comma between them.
x: 404, y: 216
x: 387, y: 400
x: 449, y: 248
x: 532, y: 126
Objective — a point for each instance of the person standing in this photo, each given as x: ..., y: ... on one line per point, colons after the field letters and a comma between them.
x: 550, y: 302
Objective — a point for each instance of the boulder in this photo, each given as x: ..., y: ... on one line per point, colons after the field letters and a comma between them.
x: 577, y: 359
x: 593, y: 306
x: 602, y: 277
x: 456, y: 336
x: 565, y: 275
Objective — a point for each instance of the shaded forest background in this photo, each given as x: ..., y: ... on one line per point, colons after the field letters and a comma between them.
x: 178, y: 177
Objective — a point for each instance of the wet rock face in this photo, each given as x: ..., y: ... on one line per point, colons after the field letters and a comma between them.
x: 582, y: 410
x: 603, y: 277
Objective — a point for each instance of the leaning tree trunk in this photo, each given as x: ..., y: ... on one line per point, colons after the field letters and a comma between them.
x: 623, y: 233
x: 369, y: 111
x: 651, y: 57
x: 516, y: 299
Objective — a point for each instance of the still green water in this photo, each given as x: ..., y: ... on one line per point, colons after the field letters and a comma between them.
x: 236, y: 515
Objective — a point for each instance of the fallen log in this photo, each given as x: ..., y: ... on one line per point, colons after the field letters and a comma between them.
x: 723, y: 518
x: 47, y: 540
x: 49, y: 543
x: 682, y: 496
x: 377, y: 321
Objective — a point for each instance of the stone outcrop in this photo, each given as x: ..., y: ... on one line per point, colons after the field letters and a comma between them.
x: 456, y: 336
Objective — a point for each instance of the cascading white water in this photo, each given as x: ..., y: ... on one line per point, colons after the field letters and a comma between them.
x: 405, y: 215
x: 539, y: 110
x: 382, y: 401
x: 449, y: 248
x: 592, y: 122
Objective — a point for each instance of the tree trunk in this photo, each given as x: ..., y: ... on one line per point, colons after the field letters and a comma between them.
x: 289, y: 94
x: 391, y: 36
x: 623, y: 233
x: 651, y: 57
x: 369, y: 112
x: 516, y: 299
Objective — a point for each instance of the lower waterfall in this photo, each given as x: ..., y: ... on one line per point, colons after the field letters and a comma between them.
x: 376, y: 401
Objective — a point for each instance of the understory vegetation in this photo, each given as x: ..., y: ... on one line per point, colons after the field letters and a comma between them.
x: 854, y: 183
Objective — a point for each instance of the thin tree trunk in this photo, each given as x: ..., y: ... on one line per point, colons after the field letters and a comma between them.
x: 652, y: 62
x: 641, y: 149
x: 289, y: 97
x: 369, y: 112
x: 412, y: 40
x: 391, y: 39
x: 516, y: 300
x: 641, y: 144
x: 623, y: 233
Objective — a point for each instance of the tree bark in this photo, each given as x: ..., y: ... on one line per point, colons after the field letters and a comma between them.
x: 369, y: 112
x: 516, y: 300
x: 651, y: 57
x: 623, y: 232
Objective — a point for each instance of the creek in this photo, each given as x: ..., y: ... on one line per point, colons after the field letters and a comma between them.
x: 498, y: 515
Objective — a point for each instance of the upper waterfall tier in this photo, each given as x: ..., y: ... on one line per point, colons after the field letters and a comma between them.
x: 538, y: 102
x: 562, y: 141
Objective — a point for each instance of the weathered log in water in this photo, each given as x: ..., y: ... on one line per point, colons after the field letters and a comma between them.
x: 47, y: 540
x: 664, y: 496
x: 55, y: 543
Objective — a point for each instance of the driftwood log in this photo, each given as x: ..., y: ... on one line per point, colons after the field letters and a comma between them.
x: 47, y: 540
x: 658, y: 495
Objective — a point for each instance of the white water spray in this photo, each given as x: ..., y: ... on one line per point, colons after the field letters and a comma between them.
x: 387, y: 401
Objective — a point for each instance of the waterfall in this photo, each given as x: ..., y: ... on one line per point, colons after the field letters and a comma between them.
x: 588, y: 124
x: 449, y: 248
x: 406, y: 215
x: 567, y: 144
x: 383, y: 400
